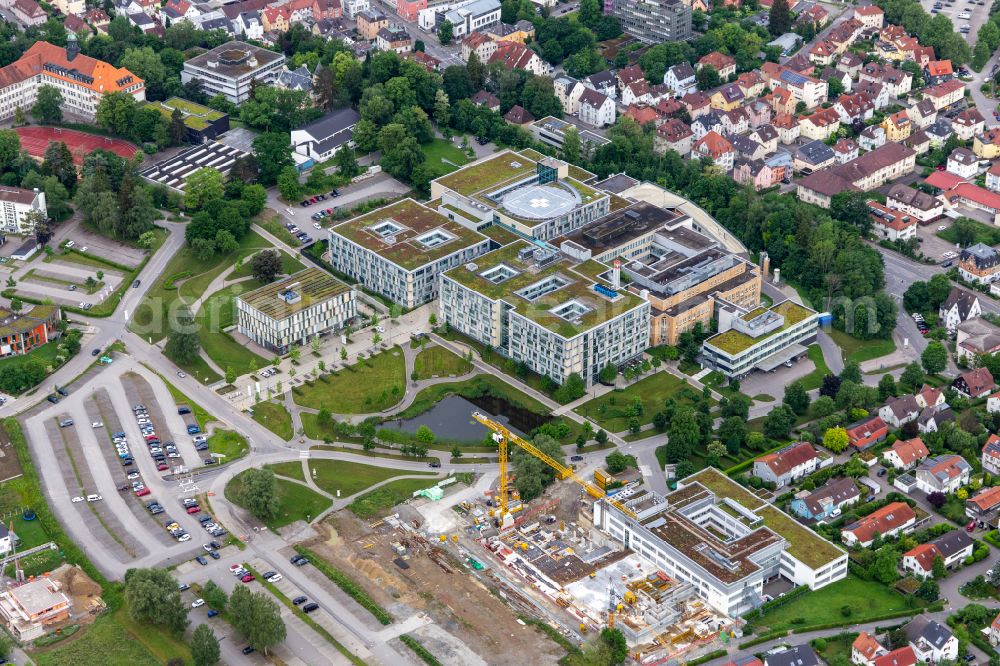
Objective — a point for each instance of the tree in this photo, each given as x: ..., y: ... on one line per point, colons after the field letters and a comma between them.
x: 929, y: 589
x: 836, y: 439
x: 617, y: 462
x: 58, y: 162
x: 273, y: 155
x: 288, y: 184
x: 614, y: 640
x: 265, y: 265
x: 938, y: 569
x: 571, y: 389
x: 183, y: 345
x: 256, y: 616
x: 205, y: 646
x: 601, y: 437
x: 203, y: 248
x: 48, y: 105
x: 779, y: 422
x: 152, y: 597
x: 797, y: 398
x: 425, y: 435
x: 572, y: 148
x: 851, y: 372
x: 214, y: 596
x: 855, y: 468
x: 886, y: 387
x: 177, y: 130
x: 715, y: 452
x: 936, y: 499
x: 683, y: 434
x: 608, y: 374
x: 531, y: 475
x: 16, y: 304
x: 852, y: 208
x: 732, y: 432
x: 202, y: 187
x: 258, y: 493
x: 912, y: 377
x: 884, y: 567
x: 446, y: 33
x: 934, y: 358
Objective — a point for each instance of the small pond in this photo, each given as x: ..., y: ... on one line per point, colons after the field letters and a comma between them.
x: 451, y: 418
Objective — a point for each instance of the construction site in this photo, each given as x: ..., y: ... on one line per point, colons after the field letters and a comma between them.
x: 461, y: 552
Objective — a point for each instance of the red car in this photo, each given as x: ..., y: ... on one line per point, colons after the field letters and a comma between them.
x: 247, y: 578
x: 971, y: 526
x: 939, y: 167
x: 161, y: 466
x: 142, y: 492
x: 194, y: 509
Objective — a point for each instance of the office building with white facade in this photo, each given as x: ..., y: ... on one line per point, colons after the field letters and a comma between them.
x: 533, y: 195
x: 535, y: 305
x: 400, y: 250
x: 15, y: 205
x: 293, y: 311
x: 759, y: 339
x: 722, y: 539
x: 230, y: 69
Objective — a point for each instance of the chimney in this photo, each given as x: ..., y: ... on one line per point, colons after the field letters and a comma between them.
x: 616, y: 275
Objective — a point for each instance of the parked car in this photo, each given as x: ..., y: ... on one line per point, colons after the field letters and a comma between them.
x: 310, y: 607
x: 299, y: 600
x: 197, y: 603
x: 201, y: 560
x: 212, y: 612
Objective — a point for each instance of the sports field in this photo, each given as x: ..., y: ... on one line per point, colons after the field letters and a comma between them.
x: 35, y: 139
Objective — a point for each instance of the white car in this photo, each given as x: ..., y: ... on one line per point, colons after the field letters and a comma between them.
x: 97, y: 424
x: 197, y: 603
x: 133, y: 475
x: 317, y: 225
x: 380, y: 329
x: 181, y: 374
x: 84, y: 248
x: 275, y: 578
x: 70, y: 243
x: 184, y: 537
x: 964, y: 15
x: 76, y: 499
x: 942, y: 228
x: 94, y: 498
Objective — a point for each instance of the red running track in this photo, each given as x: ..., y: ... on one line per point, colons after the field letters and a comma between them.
x: 35, y: 139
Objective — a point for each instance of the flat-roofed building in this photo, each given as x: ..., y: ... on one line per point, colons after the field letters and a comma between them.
x: 537, y: 306
x: 203, y: 123
x: 232, y: 68
x: 759, y: 339
x: 21, y: 333
x: 295, y: 310
x: 30, y: 608
x: 16, y: 204
x: 399, y: 250
x: 724, y: 540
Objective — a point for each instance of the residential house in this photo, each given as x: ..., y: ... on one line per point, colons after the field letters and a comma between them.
x: 968, y: 124
x: 626, y: 76
x: 945, y: 94
x: 877, y: 92
x: 870, y: 16
x: 697, y: 104
x: 984, y: 505
x: 636, y: 92
x: 979, y: 263
x: 993, y: 178
x: 892, y: 519
x: 826, y: 501
x: 734, y: 122
x: 938, y: 71
x: 976, y: 337
x: 673, y: 134
x: 820, y: 125
x: 758, y: 174
x: 797, y: 655
x: 994, y: 631
x: 787, y: 128
x: 727, y: 97
x: 28, y: 12
x: 939, y: 132
x: 896, y: 82
x: 832, y: 73
x: 603, y: 82
x: 822, y: 53
x: 952, y: 547
x: 759, y: 113
x: 596, y: 109
x: 899, y: 411
x: 751, y: 83
x: 854, y: 108
x: 923, y: 113
x: 919, y: 142
x: 486, y: 99
x: 518, y: 115
x: 904, y: 656
x: 481, y: 45
x: 276, y: 19
x: 987, y: 144
x: 709, y: 122
x: 974, y: 383
x: 961, y: 305
x: 929, y: 396
x: 867, y: 432
x: 919, y: 205
x: 850, y: 63
x: 787, y: 465
x: 932, y: 418
x: 394, y: 38
x: 931, y: 641
x: 816, y: 14
x: 717, y: 147
x: 568, y: 90
x: 781, y: 100
x: 681, y: 79
x: 766, y: 136
x: 806, y: 89
x: 845, y: 150
x: 813, y: 156
x: 867, y: 172
x: 963, y: 163
x: 991, y: 454
x: 905, y: 453
x: 897, y: 126
x: 872, y: 137
x: 919, y: 561
x: 250, y: 24
x: 865, y: 649
x: 747, y: 148
x: 641, y: 114
x: 720, y: 62
x: 890, y: 224
x: 943, y: 474
x: 993, y: 403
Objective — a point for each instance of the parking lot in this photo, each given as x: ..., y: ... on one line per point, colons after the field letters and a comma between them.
x: 966, y: 15
x: 117, y: 457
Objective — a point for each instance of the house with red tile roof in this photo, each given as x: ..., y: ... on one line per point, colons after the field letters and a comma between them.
x: 928, y: 396
x: 984, y: 505
x: 991, y: 455
x: 890, y: 520
x: 920, y: 560
x: 904, y: 656
x: 673, y: 134
x: 943, y: 474
x: 892, y: 225
x: 905, y: 453
x: 28, y: 12
x: 865, y: 649
x: 995, y: 631
x: 867, y: 432
x: 642, y: 114
x: 518, y: 56
x: 720, y: 62
x: 974, y: 383
x: 718, y: 148
x: 945, y: 94
x: 697, y: 104
x: 820, y: 125
x: 938, y: 71
x: 787, y: 465
x: 870, y: 16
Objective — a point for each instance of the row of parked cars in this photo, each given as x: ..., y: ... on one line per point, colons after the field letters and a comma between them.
x: 303, y: 237
x: 212, y: 548
x: 159, y: 451
x: 319, y: 197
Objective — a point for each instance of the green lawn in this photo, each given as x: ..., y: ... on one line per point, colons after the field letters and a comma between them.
x: 611, y: 410
x: 984, y: 233
x: 200, y: 414
x: 289, y: 265
x: 230, y: 444
x: 838, y: 646
x: 46, y: 354
x: 186, y: 278
x: 439, y: 362
x: 313, y: 430
x: 384, y: 498
x: 439, y: 150
x: 865, y: 598
x: 815, y: 378
x: 217, y: 313
x: 349, y: 477
x: 291, y: 469
x: 105, y: 642
x: 274, y: 417
x: 368, y: 386
x: 295, y: 501
x: 860, y: 351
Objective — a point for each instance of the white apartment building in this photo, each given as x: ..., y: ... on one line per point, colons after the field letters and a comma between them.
x: 536, y: 306
x: 230, y: 69
x: 713, y: 533
x: 400, y: 250
x: 80, y: 79
x: 293, y: 311
x: 15, y: 204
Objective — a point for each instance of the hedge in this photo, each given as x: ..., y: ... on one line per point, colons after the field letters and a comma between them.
x: 851, y: 623
x: 422, y: 652
x: 775, y: 603
x: 345, y: 583
x: 707, y: 657
x: 170, y: 282
x: 764, y: 638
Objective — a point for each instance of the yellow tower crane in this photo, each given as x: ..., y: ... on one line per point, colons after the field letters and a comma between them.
x: 502, y: 436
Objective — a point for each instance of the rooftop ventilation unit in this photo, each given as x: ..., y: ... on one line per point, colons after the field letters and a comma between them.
x: 471, y: 267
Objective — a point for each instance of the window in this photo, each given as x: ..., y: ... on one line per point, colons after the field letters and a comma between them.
x: 570, y: 310
x: 542, y: 287
x: 498, y: 273
x: 434, y: 238
x: 385, y: 228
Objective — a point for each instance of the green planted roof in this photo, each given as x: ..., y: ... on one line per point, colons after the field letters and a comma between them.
x: 735, y: 342
x: 312, y: 286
